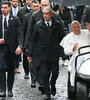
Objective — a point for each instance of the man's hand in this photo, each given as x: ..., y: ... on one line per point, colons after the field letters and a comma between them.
x: 1, y: 41
x: 18, y: 51
x: 29, y: 59
x: 87, y: 26
x: 75, y: 47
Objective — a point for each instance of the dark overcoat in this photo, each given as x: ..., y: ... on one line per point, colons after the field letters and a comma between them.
x: 38, y: 15
x: 45, y: 41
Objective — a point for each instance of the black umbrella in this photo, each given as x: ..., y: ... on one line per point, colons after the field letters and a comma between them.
x: 71, y: 2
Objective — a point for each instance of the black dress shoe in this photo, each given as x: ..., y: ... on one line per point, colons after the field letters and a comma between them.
x: 10, y: 94
x: 33, y: 85
x: 26, y: 76
x: 53, y: 90
x: 2, y: 94
x: 47, y: 97
x: 40, y: 88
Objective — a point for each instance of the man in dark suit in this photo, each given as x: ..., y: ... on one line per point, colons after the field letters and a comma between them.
x: 21, y: 13
x: 14, y: 10
x: 35, y: 6
x: 46, y: 37
x: 24, y: 10
x: 14, y: 7
x: 34, y: 18
x: 11, y: 42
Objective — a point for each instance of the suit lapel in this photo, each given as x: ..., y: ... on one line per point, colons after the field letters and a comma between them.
x: 10, y: 20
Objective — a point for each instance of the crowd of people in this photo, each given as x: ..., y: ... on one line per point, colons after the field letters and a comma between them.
x: 37, y: 33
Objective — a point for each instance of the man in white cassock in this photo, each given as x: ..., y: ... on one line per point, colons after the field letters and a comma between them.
x: 71, y: 42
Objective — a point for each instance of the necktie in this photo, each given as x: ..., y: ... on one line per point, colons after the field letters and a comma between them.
x: 5, y: 29
x: 30, y: 10
x: 5, y: 24
x: 48, y: 24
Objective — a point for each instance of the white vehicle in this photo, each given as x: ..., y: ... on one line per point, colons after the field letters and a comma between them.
x: 82, y: 79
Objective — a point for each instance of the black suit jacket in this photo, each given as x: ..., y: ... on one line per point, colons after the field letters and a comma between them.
x: 25, y: 23
x: 34, y: 18
x: 23, y: 11
x: 14, y: 33
x: 12, y: 12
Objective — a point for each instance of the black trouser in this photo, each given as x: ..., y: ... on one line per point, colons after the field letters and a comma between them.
x: 48, y: 69
x: 6, y: 61
x: 25, y: 64
x: 33, y: 68
x: 17, y: 60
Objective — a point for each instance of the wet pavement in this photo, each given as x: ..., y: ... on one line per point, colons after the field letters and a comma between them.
x: 23, y: 91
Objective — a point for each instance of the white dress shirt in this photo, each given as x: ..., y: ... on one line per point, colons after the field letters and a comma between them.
x: 50, y: 23
x: 15, y: 11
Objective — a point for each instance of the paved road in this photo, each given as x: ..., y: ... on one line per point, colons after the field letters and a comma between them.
x: 23, y: 91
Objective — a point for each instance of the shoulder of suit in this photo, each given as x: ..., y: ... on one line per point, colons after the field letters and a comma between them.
x: 13, y: 17
x: 57, y: 22
x: 55, y: 14
x: 36, y: 13
x: 28, y: 14
x: 19, y: 7
x: 39, y: 22
x: 22, y: 8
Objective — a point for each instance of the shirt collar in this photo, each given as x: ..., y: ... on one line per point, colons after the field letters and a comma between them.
x: 29, y: 8
x: 7, y: 17
x: 50, y: 22
x: 14, y: 8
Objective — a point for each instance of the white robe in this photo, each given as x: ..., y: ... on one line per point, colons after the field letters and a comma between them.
x: 68, y: 42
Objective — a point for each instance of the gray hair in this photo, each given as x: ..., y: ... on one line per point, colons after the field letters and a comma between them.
x: 48, y: 8
x: 45, y: 0
x: 75, y: 21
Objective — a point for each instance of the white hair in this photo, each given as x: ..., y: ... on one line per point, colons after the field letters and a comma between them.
x: 75, y: 21
x: 48, y: 8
